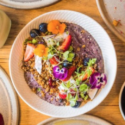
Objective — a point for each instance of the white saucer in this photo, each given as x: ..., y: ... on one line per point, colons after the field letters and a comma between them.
x: 79, y: 120
x: 8, y: 100
x: 26, y: 4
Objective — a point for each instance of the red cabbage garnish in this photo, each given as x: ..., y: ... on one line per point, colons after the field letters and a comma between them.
x: 97, y: 80
x: 60, y: 73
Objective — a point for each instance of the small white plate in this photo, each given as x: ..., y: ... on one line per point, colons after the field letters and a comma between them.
x: 8, y: 100
x: 79, y: 120
x: 16, y: 56
x: 113, y: 10
x: 120, y: 100
x: 26, y: 4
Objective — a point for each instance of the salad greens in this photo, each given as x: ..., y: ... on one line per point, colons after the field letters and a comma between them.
x: 68, y: 56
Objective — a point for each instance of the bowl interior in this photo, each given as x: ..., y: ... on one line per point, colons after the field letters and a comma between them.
x: 17, y: 75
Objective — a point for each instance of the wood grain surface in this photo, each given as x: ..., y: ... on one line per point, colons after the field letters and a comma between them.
x: 108, y: 109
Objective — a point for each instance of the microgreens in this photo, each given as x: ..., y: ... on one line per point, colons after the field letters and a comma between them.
x: 45, y: 58
x: 68, y: 56
x: 70, y: 49
x: 38, y: 89
x: 83, y: 87
x: 92, y: 62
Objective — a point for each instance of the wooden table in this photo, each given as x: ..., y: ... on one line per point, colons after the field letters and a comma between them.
x: 108, y: 109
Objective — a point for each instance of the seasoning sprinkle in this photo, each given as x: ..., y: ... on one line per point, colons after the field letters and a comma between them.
x: 83, y: 46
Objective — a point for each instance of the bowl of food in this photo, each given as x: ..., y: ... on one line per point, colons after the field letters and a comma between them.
x: 63, y: 64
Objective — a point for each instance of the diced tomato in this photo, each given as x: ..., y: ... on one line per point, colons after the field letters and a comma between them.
x: 70, y: 72
x: 85, y: 76
x: 62, y: 96
x: 29, y: 52
x: 65, y: 45
x: 53, y: 61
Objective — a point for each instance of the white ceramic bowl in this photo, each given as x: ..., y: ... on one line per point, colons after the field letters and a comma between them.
x: 16, y: 56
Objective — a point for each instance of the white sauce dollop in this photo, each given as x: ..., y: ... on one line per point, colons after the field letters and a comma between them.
x: 38, y: 64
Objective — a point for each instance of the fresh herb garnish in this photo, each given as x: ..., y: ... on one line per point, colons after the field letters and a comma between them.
x: 65, y: 55
x: 79, y: 68
x: 45, y: 58
x: 72, y: 99
x: 86, y: 97
x: 38, y: 89
x: 68, y: 56
x: 92, y: 62
x: 34, y: 41
x: 78, y: 82
x: 50, y: 55
x: 70, y: 49
x: 89, y: 72
x: 60, y: 66
x: 67, y: 32
x: 83, y: 87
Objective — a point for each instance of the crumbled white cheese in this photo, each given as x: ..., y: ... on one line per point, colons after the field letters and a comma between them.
x: 92, y: 93
x: 38, y: 64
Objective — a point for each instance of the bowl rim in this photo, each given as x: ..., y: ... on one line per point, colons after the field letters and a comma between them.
x: 120, y: 96
x: 72, y: 115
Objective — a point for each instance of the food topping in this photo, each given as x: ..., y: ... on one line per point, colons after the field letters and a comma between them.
x: 38, y: 64
x: 34, y: 33
x: 41, y: 50
x: 29, y: 52
x: 60, y: 73
x: 56, y: 27
x: 115, y: 22
x: 97, y: 80
x: 43, y: 27
x: 54, y: 60
x: 65, y: 45
x: 70, y: 72
x: 61, y: 68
